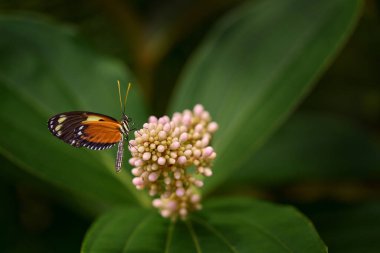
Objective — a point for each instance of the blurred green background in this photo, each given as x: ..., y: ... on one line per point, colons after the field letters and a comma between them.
x: 333, y: 136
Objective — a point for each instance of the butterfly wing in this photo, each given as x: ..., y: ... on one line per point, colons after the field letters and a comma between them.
x: 86, y: 129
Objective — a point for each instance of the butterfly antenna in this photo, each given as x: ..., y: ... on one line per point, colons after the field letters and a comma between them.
x: 126, y: 96
x: 118, y: 86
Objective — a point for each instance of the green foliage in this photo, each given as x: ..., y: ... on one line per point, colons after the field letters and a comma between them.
x: 55, y: 72
x: 312, y: 147
x: 249, y: 81
x: 225, y: 225
x: 253, y: 68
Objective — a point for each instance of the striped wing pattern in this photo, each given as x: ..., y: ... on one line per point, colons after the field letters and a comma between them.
x: 86, y: 129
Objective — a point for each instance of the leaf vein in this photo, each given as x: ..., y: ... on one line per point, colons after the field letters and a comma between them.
x: 169, y: 236
x: 217, y: 233
x: 138, y: 226
x: 194, y: 237
x: 270, y: 236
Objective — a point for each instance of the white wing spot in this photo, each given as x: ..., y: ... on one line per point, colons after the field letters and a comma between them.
x: 61, y: 119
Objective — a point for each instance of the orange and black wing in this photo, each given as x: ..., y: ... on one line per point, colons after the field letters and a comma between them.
x: 86, y: 129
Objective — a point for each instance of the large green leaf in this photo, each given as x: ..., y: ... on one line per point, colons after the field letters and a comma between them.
x: 256, y: 65
x: 225, y: 225
x: 46, y: 69
x: 311, y: 146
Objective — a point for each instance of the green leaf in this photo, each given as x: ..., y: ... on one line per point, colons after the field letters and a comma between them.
x: 46, y: 69
x: 311, y: 146
x: 225, y: 225
x: 256, y: 65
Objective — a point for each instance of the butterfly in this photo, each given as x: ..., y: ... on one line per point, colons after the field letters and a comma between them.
x: 93, y: 130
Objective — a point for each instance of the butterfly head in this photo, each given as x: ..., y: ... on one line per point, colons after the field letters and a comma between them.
x: 126, y: 118
x: 126, y: 124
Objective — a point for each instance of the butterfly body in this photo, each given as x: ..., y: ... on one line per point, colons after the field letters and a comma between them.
x: 91, y: 130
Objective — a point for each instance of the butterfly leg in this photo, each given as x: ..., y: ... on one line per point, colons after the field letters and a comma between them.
x: 119, y: 156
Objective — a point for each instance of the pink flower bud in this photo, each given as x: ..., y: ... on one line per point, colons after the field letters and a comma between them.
x: 197, y: 153
x: 137, y: 181
x: 138, y: 163
x: 167, y: 127
x: 175, y: 132
x: 172, y: 205
x: 183, y: 137
x: 177, y: 117
x: 186, y: 119
x: 162, y: 135
x: 146, y: 156
x: 161, y: 161
x: 198, y: 128
x: 167, y: 180
x: 177, y: 175
x: 154, y: 166
x: 188, y: 152
x: 160, y: 148
x: 198, y: 109
x: 205, y: 140
x: 132, y: 161
x: 183, y: 212
x: 196, y: 135
x: 212, y: 127
x: 152, y: 119
x: 153, y: 176
x: 175, y: 145
x: 182, y: 160
x: 207, y: 151
x: 198, y: 183
x: 180, y: 192
x: 198, y: 144
x: 157, y: 203
x: 195, y: 198
x: 163, y: 120
x: 207, y: 172
x: 206, y: 116
x: 144, y: 137
x: 136, y: 172
x: 165, y: 213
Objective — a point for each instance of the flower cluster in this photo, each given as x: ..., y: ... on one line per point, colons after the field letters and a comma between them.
x: 171, y: 157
